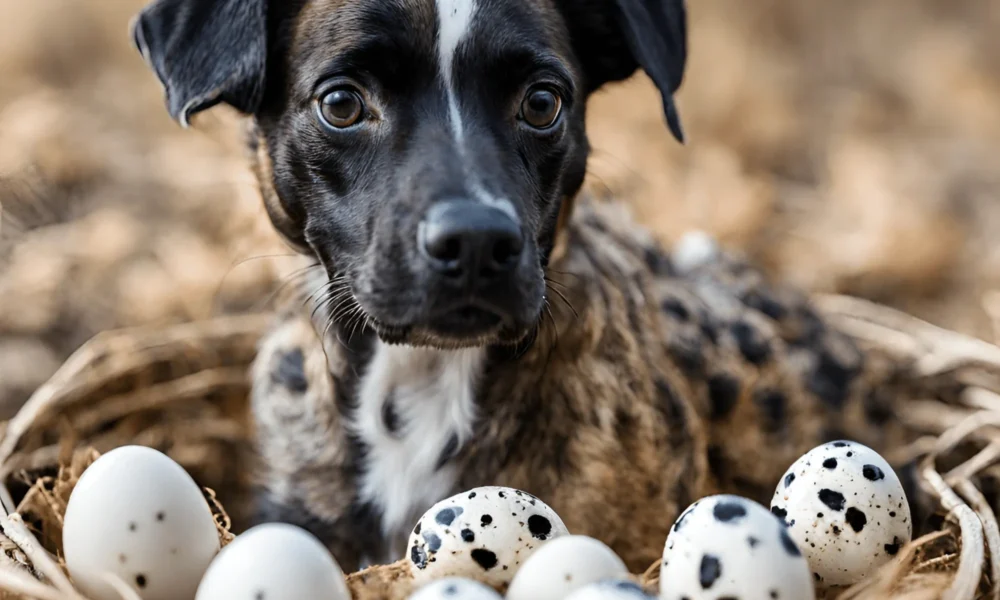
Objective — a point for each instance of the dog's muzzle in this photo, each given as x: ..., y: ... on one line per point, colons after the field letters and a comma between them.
x: 472, y: 252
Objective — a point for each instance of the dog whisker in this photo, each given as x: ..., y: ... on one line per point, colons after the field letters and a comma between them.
x: 561, y: 285
x: 564, y: 299
x: 321, y: 290
x: 289, y: 279
x: 334, y: 292
x: 566, y: 273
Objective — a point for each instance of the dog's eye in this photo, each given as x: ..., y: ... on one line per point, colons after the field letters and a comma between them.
x: 540, y: 107
x: 341, y: 107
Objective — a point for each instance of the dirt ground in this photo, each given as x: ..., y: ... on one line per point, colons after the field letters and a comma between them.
x: 849, y: 146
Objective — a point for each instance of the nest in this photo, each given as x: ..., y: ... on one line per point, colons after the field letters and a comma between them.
x: 183, y: 390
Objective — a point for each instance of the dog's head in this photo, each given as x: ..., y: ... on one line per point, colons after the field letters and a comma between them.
x: 422, y: 150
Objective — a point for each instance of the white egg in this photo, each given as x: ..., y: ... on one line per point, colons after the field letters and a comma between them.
x: 274, y: 561
x: 137, y: 515
x: 846, y: 509
x: 455, y: 588
x: 483, y: 534
x: 728, y: 546
x: 564, y: 565
x: 610, y: 589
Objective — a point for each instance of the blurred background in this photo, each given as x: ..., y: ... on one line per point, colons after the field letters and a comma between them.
x: 849, y: 146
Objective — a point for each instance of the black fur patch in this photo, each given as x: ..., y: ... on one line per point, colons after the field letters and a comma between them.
x: 290, y: 372
x: 687, y: 352
x: 752, y: 344
x: 773, y: 407
x: 672, y: 407
x: 448, y: 452
x: 831, y: 380
x: 676, y: 308
x: 723, y: 393
x: 761, y: 301
x: 390, y: 418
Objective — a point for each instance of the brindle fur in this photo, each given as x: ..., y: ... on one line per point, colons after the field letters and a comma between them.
x: 643, y: 391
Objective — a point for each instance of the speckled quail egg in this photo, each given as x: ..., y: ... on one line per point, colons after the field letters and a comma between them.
x: 483, y: 534
x: 564, y: 565
x: 455, y: 588
x: 846, y: 509
x: 610, y: 589
x: 274, y: 561
x: 732, y: 547
x: 135, y: 514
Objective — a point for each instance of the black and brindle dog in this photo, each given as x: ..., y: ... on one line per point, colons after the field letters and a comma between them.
x: 469, y: 327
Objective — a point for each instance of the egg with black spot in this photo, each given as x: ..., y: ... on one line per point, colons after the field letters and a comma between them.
x: 727, y: 546
x: 484, y: 534
x: 610, y: 589
x: 563, y: 566
x: 455, y: 588
x: 136, y: 516
x: 846, y: 508
x: 274, y: 561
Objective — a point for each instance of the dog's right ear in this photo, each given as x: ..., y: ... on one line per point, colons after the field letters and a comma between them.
x: 205, y: 52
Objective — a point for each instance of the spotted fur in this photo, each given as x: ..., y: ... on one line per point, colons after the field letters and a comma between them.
x: 599, y: 417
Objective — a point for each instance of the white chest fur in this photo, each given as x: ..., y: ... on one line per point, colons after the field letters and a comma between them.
x: 415, y: 405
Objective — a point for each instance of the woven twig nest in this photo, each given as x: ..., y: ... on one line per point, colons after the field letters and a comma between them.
x: 183, y: 390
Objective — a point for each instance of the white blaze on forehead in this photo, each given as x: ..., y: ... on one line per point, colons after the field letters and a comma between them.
x: 455, y: 18
x: 455, y: 21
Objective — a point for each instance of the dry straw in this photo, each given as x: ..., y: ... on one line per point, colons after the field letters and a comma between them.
x: 183, y: 390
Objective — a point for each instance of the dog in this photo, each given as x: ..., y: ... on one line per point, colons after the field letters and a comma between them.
x: 471, y: 318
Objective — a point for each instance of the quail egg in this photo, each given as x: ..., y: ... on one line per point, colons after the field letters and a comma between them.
x: 846, y: 508
x: 728, y: 546
x: 136, y: 515
x: 483, y: 534
x: 563, y: 566
x: 274, y: 561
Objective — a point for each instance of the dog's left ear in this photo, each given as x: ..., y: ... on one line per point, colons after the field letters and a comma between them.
x: 205, y: 52
x: 612, y: 38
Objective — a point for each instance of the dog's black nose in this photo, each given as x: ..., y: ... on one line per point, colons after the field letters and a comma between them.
x: 469, y: 240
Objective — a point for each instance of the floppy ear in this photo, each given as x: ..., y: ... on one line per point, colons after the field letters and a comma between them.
x: 612, y: 38
x: 205, y: 52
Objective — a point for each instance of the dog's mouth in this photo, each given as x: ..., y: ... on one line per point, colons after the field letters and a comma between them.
x: 430, y: 315
x: 470, y: 324
x: 470, y: 320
